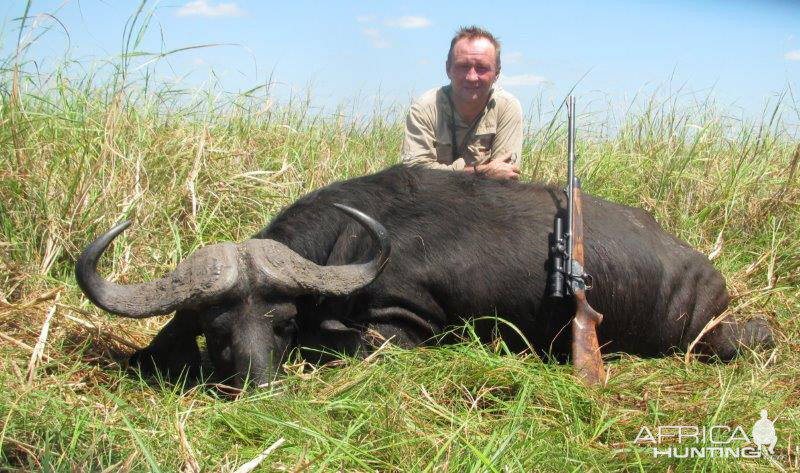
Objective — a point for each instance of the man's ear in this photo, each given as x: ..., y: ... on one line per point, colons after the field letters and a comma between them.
x: 496, y: 76
x: 447, y: 69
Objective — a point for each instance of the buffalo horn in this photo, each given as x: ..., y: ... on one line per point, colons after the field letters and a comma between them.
x: 286, y: 271
x: 205, y: 276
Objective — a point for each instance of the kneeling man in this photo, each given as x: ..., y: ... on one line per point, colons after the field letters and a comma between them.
x: 472, y: 124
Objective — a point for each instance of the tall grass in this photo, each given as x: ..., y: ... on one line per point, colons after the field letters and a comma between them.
x: 80, y: 151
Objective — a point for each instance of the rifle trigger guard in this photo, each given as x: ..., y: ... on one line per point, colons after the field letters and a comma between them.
x: 588, y: 281
x: 580, y: 283
x: 578, y: 279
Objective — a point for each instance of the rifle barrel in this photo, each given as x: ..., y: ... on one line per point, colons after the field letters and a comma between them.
x: 570, y: 179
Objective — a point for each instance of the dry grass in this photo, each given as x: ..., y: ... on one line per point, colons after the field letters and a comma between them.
x: 80, y: 152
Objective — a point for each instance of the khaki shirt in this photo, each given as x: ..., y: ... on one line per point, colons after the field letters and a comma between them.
x: 427, y: 139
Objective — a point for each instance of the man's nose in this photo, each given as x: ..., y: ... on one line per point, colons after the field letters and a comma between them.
x: 472, y: 74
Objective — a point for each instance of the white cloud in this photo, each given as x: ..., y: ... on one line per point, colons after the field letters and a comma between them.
x: 409, y: 22
x: 512, y: 57
x: 792, y: 55
x: 377, y: 39
x: 207, y: 9
x: 364, y: 18
x: 522, y: 79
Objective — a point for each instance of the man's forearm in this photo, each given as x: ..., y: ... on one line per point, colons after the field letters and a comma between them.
x: 431, y: 163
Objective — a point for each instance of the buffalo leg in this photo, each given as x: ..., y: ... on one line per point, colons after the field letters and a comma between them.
x: 728, y: 338
x: 173, y: 351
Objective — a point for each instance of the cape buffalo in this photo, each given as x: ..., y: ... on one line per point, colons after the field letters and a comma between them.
x: 462, y: 246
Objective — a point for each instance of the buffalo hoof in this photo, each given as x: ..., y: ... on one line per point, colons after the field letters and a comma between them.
x: 757, y: 333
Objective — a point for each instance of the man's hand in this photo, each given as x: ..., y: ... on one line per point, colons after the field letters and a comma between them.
x: 498, y: 168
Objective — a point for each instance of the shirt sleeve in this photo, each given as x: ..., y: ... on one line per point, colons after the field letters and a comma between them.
x: 508, y: 136
x: 419, y: 147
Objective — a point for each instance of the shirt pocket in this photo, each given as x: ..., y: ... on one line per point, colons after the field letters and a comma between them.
x: 444, y: 152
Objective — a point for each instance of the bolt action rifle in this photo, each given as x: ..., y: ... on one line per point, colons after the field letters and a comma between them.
x: 567, y: 271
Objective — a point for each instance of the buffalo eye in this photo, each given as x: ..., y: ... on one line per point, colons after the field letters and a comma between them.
x: 283, y: 318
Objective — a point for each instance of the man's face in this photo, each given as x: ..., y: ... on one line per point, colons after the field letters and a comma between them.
x: 472, y: 70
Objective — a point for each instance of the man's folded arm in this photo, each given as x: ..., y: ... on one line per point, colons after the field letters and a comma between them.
x: 419, y: 148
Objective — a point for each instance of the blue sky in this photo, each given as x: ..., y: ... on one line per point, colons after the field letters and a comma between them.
x: 740, y: 53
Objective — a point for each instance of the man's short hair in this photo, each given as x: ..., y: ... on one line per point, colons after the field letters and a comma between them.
x: 474, y: 32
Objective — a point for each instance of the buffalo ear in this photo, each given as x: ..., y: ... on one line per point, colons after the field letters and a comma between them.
x: 340, y: 337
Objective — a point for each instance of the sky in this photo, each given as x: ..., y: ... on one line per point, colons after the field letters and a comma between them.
x: 738, y: 53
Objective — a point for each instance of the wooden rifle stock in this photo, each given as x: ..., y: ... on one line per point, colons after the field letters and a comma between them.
x: 586, y: 356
